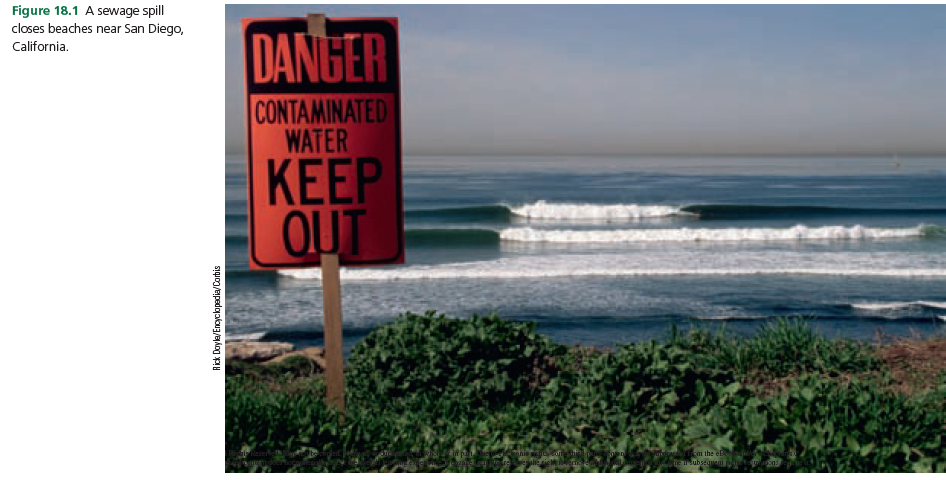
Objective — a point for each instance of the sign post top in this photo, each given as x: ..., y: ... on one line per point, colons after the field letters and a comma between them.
x: 316, y: 24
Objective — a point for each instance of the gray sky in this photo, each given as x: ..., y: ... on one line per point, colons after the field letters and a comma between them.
x: 616, y: 80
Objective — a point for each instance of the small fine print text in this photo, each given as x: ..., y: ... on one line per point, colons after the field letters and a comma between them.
x: 218, y: 321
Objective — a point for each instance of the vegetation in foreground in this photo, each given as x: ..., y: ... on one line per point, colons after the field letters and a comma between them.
x: 428, y: 383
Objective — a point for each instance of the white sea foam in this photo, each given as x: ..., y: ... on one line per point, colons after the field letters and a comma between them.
x: 941, y: 317
x: 798, y: 232
x: 574, y: 211
x: 898, y: 305
x: 660, y: 264
x: 238, y: 337
x: 433, y: 273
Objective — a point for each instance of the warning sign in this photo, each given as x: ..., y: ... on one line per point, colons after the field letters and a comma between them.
x: 323, y: 142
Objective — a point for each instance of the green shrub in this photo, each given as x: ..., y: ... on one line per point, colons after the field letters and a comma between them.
x: 781, y: 347
x: 649, y: 377
x: 485, y: 360
x: 263, y: 420
x: 853, y: 428
x: 791, y: 346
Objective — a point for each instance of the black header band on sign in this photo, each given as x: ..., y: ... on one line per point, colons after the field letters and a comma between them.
x: 332, y: 29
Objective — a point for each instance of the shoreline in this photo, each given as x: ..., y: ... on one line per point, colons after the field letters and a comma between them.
x: 934, y: 326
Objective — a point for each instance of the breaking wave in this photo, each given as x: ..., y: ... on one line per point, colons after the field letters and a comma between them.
x: 657, y: 264
x: 899, y: 305
x: 798, y: 232
x: 574, y: 211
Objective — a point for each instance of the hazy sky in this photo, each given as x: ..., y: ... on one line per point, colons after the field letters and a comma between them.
x: 654, y: 79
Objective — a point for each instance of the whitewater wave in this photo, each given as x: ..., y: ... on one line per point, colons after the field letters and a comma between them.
x: 798, y: 232
x: 577, y: 211
x: 432, y: 273
x: 657, y: 264
x: 479, y: 237
x: 239, y: 337
x: 899, y: 305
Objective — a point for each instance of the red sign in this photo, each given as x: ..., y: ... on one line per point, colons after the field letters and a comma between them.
x: 323, y: 142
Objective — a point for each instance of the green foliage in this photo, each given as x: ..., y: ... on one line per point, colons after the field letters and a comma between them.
x: 853, y: 428
x: 484, y: 359
x: 782, y: 347
x: 428, y: 383
x: 791, y: 346
x: 648, y: 379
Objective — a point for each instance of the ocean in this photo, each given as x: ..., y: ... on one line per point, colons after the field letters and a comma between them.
x: 602, y: 251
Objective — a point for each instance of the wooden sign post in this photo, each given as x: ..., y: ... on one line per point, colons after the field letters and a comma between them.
x: 323, y: 116
x: 332, y: 331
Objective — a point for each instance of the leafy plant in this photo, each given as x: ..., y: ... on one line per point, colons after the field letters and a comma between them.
x: 484, y: 359
x: 780, y: 347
